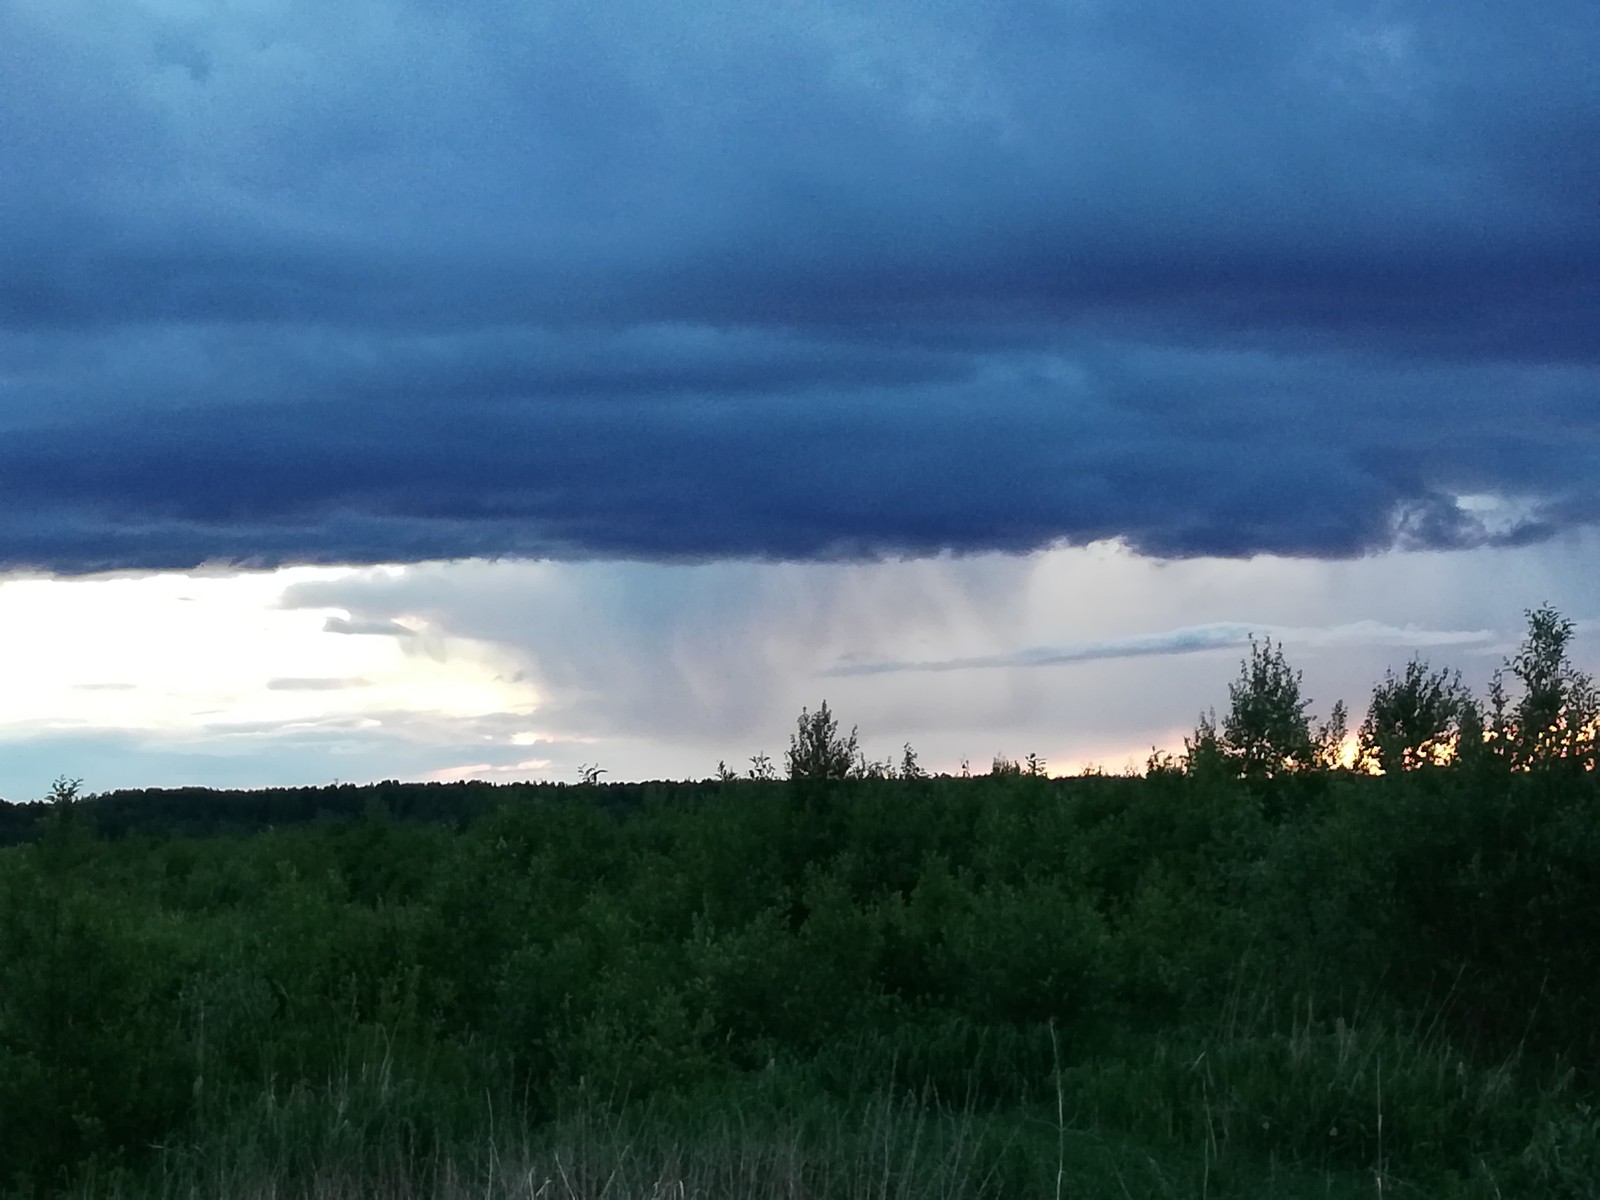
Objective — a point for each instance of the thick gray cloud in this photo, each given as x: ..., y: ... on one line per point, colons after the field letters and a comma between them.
x: 400, y: 281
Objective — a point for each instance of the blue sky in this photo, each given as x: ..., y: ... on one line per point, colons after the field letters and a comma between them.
x: 678, y: 363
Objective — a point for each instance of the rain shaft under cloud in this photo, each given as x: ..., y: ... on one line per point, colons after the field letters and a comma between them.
x: 397, y: 282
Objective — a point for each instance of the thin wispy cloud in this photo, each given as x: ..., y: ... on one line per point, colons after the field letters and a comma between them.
x: 1189, y: 640
x: 315, y: 685
x: 367, y: 628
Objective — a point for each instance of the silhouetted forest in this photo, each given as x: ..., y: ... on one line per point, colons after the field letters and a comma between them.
x: 1262, y: 967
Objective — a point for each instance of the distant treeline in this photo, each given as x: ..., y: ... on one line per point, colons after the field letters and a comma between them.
x: 208, y: 812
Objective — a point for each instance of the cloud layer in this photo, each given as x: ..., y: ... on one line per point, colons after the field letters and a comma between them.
x: 404, y: 281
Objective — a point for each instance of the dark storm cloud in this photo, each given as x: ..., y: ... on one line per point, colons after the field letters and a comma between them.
x: 414, y: 281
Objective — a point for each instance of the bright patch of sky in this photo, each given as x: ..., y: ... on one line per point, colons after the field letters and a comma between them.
x: 212, y: 665
x: 527, y: 670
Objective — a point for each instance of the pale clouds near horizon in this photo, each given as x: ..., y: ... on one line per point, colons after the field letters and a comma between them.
x: 516, y: 669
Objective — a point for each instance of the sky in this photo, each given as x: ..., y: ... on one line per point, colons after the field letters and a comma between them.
x: 486, y: 389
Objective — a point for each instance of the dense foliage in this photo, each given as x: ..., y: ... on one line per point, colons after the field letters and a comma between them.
x: 1214, y: 958
x: 1208, y: 980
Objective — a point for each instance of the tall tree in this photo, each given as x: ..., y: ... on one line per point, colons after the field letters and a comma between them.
x: 1556, y: 715
x: 817, y: 751
x: 1266, y: 730
x: 1203, y: 754
x: 1415, y: 719
x: 1331, y: 736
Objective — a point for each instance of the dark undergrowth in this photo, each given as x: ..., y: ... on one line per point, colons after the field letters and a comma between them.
x: 1320, y: 985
